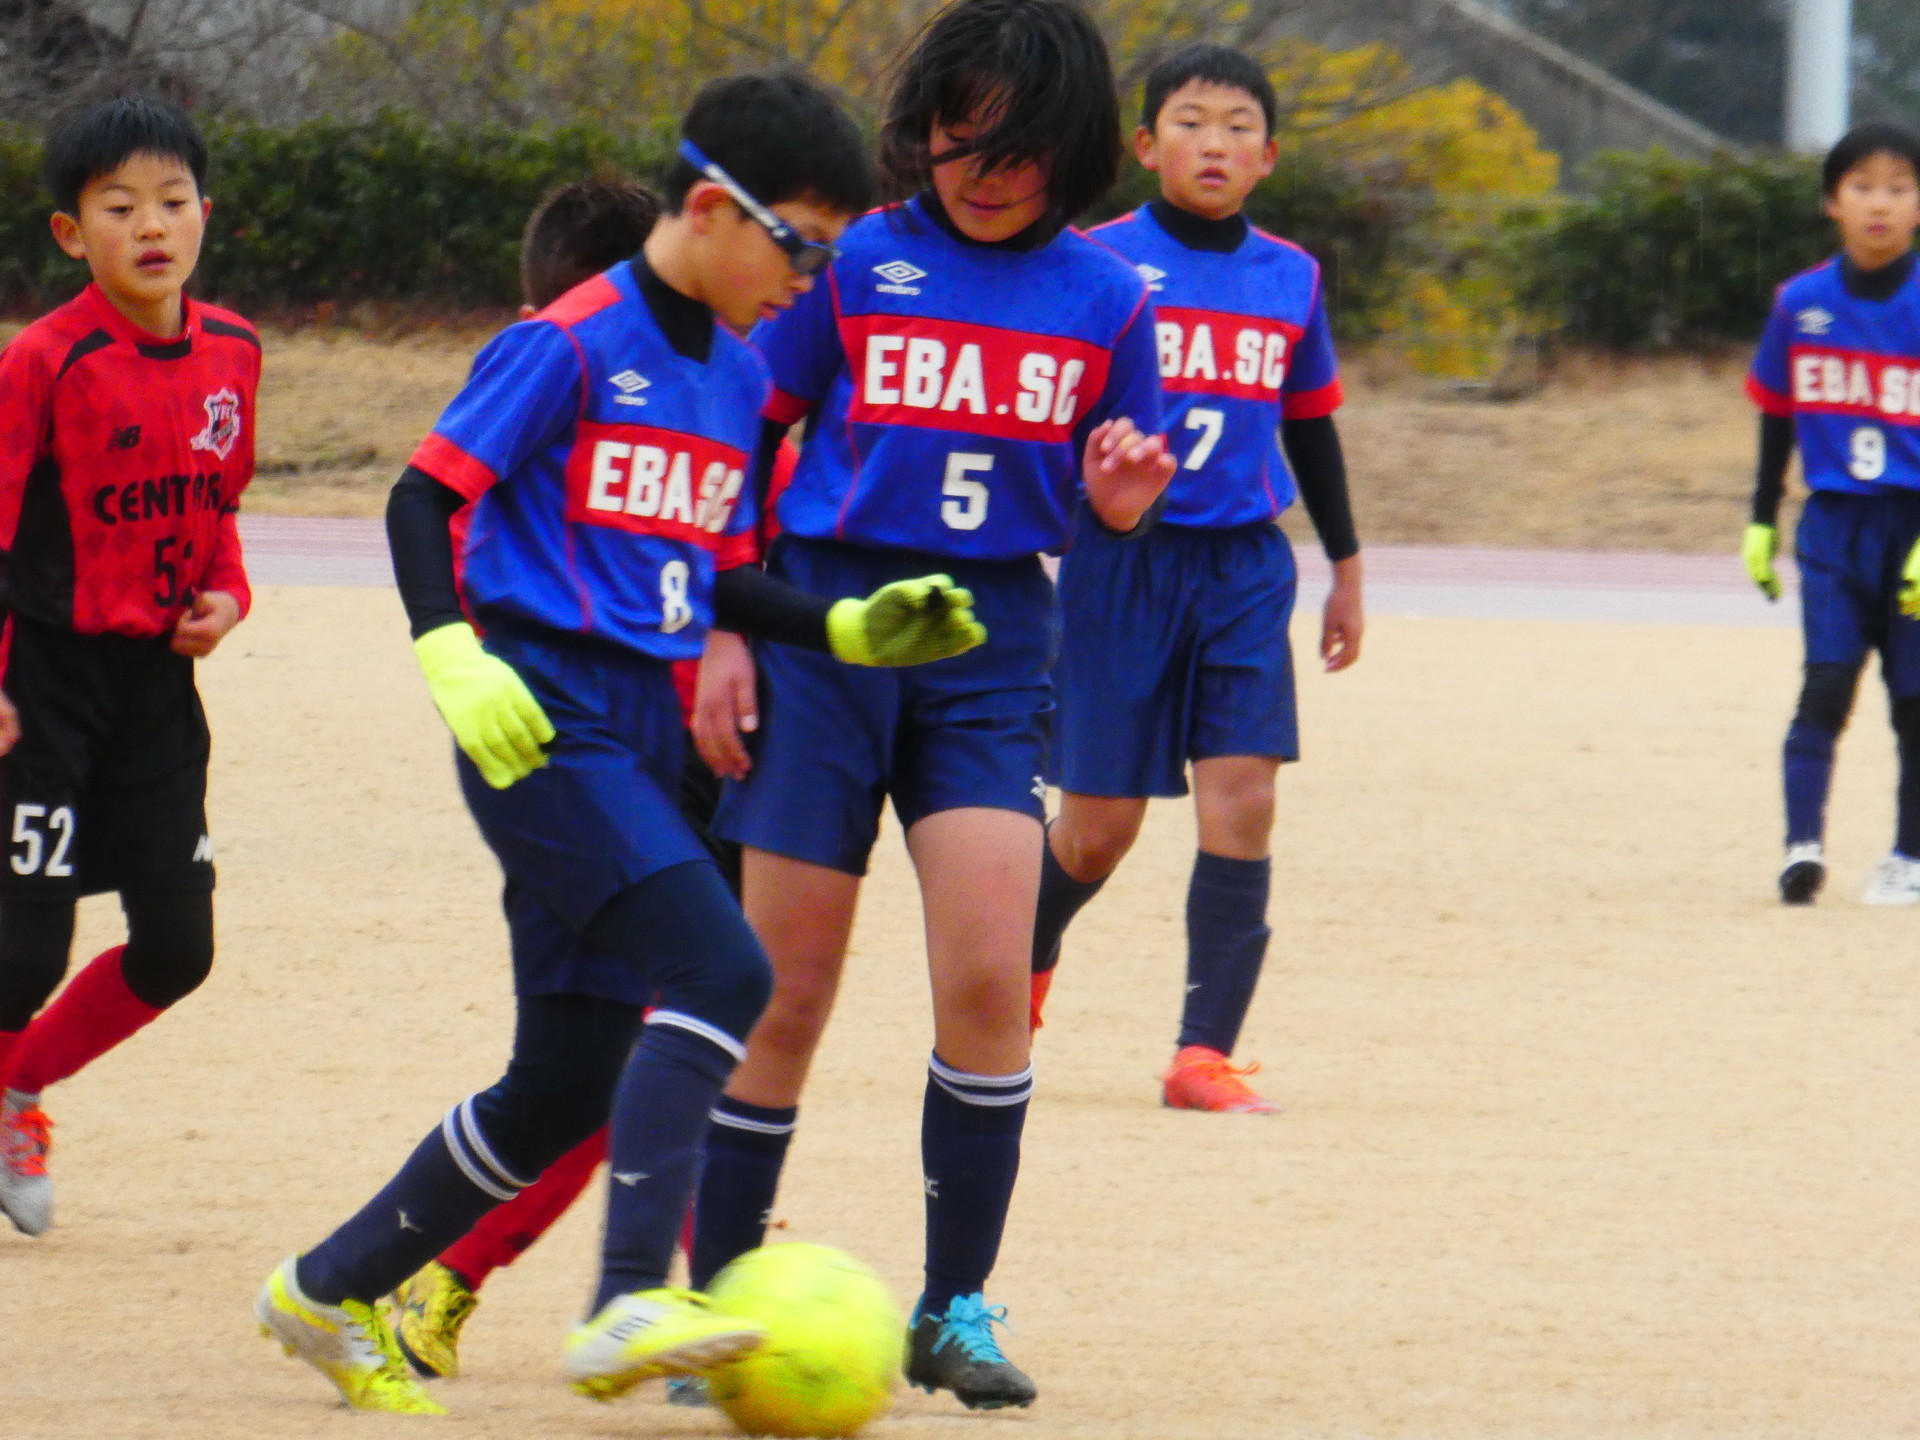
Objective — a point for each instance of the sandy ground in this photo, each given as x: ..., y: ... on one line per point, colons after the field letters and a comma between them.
x: 1584, y: 1137
x: 1609, y: 455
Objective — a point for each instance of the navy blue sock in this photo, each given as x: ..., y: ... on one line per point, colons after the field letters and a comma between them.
x: 970, y: 1150
x: 450, y: 1181
x: 1808, y: 771
x: 746, y: 1149
x: 1906, y: 729
x: 1061, y: 898
x: 1226, y: 946
x: 660, y: 1119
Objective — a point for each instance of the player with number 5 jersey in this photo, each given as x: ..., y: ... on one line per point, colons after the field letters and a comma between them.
x: 969, y: 367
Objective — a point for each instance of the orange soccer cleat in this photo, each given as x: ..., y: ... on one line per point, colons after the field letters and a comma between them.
x: 26, y: 1190
x: 1203, y: 1079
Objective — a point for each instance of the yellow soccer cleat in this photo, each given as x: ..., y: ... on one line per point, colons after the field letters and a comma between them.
x: 428, y: 1312
x: 653, y: 1332
x: 349, y: 1343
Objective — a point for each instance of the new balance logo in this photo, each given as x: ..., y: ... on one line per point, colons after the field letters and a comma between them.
x: 630, y: 1177
x: 629, y: 383
x: 899, y: 276
x: 933, y: 1187
x: 1152, y: 276
x: 1814, y: 321
x: 203, y: 851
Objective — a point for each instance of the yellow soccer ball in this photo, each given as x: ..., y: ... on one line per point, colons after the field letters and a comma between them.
x: 833, y: 1346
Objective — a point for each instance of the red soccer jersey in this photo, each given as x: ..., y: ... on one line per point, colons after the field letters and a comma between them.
x: 122, y: 459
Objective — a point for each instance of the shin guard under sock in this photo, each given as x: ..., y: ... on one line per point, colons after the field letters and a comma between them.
x: 92, y: 1015
x: 970, y: 1131
x: 1226, y: 947
x: 746, y: 1149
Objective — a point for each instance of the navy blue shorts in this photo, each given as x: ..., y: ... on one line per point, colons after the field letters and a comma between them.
x: 1174, y: 648
x: 1851, y: 549
x: 836, y: 741
x: 602, y: 816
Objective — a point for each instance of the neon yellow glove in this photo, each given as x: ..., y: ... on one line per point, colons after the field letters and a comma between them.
x: 909, y: 622
x: 1910, y: 584
x: 1761, y: 544
x: 493, y: 716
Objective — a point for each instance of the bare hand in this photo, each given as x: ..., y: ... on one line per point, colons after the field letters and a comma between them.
x: 9, y: 725
x: 725, y: 705
x: 1344, y: 620
x: 206, y: 623
x: 1124, y: 472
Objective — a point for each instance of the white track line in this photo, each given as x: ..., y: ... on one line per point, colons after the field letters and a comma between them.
x: 1472, y: 582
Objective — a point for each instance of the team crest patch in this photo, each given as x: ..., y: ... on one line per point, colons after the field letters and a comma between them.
x: 223, y: 424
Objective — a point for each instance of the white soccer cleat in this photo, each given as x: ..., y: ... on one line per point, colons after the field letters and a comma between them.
x: 1895, y: 881
x: 1804, y: 872
x: 26, y: 1190
x: 653, y: 1332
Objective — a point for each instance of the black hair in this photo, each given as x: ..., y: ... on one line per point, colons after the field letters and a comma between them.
x: 580, y: 229
x: 1210, y: 65
x: 783, y: 136
x: 1034, y: 73
x: 1858, y: 143
x: 100, y: 138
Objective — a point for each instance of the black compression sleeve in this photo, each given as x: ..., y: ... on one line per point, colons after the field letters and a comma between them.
x: 749, y: 601
x: 420, y: 513
x: 1770, y: 476
x: 1320, y: 470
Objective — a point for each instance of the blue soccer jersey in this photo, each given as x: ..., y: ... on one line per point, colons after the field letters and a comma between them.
x: 605, y: 471
x: 952, y: 386
x: 1848, y: 373
x: 1243, y: 343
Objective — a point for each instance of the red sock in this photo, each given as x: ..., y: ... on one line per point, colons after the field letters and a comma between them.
x: 8, y: 1039
x: 1037, y: 998
x: 504, y: 1233
x: 92, y: 1015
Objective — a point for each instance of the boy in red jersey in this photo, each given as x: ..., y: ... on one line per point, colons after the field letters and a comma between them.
x: 126, y: 437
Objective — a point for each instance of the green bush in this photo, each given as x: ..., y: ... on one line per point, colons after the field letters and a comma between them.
x: 1665, y: 252
x: 388, y: 210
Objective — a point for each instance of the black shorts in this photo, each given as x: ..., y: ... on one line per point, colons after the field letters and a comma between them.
x: 107, y: 789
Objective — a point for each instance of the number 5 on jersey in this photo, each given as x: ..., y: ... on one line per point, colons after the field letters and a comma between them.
x: 964, y: 499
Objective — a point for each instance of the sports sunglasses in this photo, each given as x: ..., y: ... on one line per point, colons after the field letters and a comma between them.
x: 808, y: 257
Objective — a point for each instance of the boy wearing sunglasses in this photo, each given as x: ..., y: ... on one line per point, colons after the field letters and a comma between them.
x: 589, y: 477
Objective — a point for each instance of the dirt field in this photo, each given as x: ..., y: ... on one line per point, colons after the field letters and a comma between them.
x: 1609, y: 455
x: 1585, y: 1136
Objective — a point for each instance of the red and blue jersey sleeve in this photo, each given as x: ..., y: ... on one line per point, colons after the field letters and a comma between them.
x: 803, y: 353
x: 524, y: 393
x: 1133, y: 378
x: 1770, y: 382
x: 1312, y: 385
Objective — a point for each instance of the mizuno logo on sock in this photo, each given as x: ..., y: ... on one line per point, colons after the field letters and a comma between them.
x: 630, y: 1177
x: 406, y: 1223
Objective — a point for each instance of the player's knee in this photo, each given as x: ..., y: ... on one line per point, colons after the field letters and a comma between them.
x: 731, y: 988
x: 1091, y: 846
x: 1826, y: 696
x: 169, y: 945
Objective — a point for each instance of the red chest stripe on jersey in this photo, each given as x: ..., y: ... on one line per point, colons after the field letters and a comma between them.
x: 1827, y: 381
x: 976, y: 379
x: 1211, y: 352
x: 653, y: 482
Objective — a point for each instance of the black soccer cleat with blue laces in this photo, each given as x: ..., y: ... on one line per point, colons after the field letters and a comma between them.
x: 956, y: 1351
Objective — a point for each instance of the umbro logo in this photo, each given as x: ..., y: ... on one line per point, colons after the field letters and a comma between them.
x: 1814, y: 321
x: 1152, y: 275
x: 629, y: 383
x: 899, y: 276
